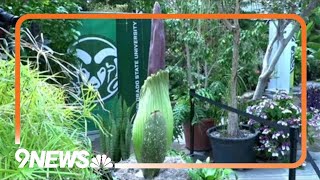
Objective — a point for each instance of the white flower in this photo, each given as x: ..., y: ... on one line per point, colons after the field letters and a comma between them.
x: 274, y: 136
x: 267, y: 144
x: 283, y: 123
x: 288, y: 148
x: 275, y: 154
x: 266, y: 131
x: 271, y: 106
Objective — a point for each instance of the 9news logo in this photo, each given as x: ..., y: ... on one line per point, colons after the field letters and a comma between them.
x: 55, y: 159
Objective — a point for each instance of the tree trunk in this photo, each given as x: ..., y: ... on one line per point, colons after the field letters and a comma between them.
x: 269, y: 68
x: 233, y: 119
x: 262, y: 84
x: 206, y: 75
x: 233, y: 123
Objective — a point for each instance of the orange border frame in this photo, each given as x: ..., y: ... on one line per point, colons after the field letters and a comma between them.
x: 177, y: 16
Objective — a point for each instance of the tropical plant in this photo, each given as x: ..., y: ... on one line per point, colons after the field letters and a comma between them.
x: 153, y: 125
x: 210, y: 174
x: 117, y: 144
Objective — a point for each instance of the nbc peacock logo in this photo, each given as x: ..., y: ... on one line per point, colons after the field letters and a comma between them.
x: 101, y: 162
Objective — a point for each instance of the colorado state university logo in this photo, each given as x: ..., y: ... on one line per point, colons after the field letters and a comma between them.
x: 99, y: 65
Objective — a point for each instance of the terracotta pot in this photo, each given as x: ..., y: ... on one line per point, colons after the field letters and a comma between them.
x: 201, y: 140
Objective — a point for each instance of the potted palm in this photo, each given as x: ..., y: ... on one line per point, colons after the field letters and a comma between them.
x: 234, y: 143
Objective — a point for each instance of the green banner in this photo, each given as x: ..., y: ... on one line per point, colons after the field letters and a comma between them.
x: 133, y: 37
x: 113, y: 58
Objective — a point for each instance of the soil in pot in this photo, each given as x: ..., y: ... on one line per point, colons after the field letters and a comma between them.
x: 233, y: 150
x: 201, y: 140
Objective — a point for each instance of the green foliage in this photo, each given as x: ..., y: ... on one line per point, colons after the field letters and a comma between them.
x: 313, y: 49
x: 112, y: 2
x: 181, y: 108
x: 145, y: 6
x: 210, y: 174
x: 57, y: 34
x: 117, y: 144
x: 210, y: 57
x: 102, y: 7
x: 47, y: 123
x: 60, y: 33
x: 211, y: 47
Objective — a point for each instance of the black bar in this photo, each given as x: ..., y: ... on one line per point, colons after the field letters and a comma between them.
x: 190, y: 122
x: 314, y: 165
x: 294, y: 131
x: 228, y: 108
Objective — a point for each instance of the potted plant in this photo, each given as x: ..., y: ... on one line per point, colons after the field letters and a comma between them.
x: 233, y: 143
x: 205, y: 117
x: 274, y: 144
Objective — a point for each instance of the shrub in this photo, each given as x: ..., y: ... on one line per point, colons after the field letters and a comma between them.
x: 55, y: 34
x: 47, y: 123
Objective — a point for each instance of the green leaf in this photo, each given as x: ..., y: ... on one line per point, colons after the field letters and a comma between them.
x: 317, y: 54
x: 210, y: 174
x: 314, y: 37
x: 314, y: 45
x: 310, y: 27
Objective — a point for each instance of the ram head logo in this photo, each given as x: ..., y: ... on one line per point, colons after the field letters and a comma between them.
x: 98, y: 65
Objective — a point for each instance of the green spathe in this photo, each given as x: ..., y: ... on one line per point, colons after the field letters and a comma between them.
x: 154, y: 97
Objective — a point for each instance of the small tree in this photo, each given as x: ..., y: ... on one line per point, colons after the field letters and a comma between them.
x: 233, y: 119
x: 269, y: 61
